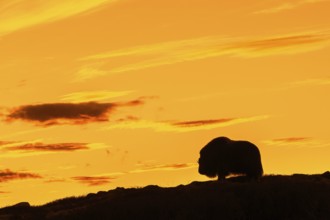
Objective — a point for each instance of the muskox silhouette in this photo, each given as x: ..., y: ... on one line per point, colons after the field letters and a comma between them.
x: 223, y: 156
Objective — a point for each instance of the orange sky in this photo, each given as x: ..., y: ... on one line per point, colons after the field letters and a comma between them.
x: 107, y: 93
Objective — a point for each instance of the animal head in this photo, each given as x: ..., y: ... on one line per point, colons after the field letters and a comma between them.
x: 209, y: 157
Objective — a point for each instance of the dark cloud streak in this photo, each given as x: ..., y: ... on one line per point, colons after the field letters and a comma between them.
x: 68, y: 113
x: 49, y: 147
x: 93, y: 180
x: 292, y: 139
x: 162, y: 167
x: 8, y: 175
x: 48, y: 113
x: 201, y: 122
x: 55, y: 180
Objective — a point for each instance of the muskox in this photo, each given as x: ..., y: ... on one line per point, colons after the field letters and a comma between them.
x: 222, y: 157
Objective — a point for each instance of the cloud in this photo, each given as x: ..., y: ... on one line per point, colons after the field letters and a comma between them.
x: 291, y: 139
x: 89, y: 72
x: 297, y: 142
x: 183, y: 126
x: 141, y: 167
x: 287, y: 44
x: 128, y: 118
x: 20, y: 133
x: 310, y: 82
x: 20, y: 14
x: 89, y: 96
x: 154, y: 49
x: 55, y: 180
x: 64, y: 147
x: 67, y: 113
x: 32, y: 148
x: 4, y: 192
x: 8, y: 175
x: 147, y: 167
x: 94, y: 180
x: 288, y: 6
x: 50, y: 114
x: 202, y: 122
x: 167, y: 53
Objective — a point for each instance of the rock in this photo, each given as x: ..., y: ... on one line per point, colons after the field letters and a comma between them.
x: 326, y: 174
x: 22, y: 204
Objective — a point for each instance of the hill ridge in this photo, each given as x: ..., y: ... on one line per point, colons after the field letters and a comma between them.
x: 298, y: 196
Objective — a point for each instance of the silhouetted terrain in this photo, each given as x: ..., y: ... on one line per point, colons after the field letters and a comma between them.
x: 275, y: 197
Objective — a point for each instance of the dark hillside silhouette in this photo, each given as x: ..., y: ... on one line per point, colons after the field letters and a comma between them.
x: 303, y: 197
x: 222, y: 157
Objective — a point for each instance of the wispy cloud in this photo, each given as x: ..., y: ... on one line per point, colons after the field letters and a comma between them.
x: 67, y: 113
x: 147, y: 167
x: 291, y: 140
x: 311, y: 82
x: 60, y: 147
x: 62, y: 113
x: 31, y: 148
x: 141, y: 167
x: 90, y: 71
x: 159, y: 48
x: 183, y: 126
x: 166, y: 53
x: 8, y: 175
x: 94, y: 180
x: 288, y: 5
x: 297, y: 142
x: 55, y: 180
x: 95, y: 96
x: 20, y: 14
x: 198, y: 123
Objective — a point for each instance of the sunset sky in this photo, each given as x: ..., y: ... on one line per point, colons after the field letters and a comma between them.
x: 99, y: 94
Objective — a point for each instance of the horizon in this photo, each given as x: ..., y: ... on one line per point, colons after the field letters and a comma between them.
x: 125, y: 93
